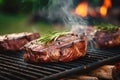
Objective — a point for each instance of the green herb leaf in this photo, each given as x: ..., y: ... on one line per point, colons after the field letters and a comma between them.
x: 51, y: 37
x: 107, y: 27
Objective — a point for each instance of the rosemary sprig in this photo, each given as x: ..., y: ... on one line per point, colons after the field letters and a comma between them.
x: 51, y: 37
x: 107, y: 27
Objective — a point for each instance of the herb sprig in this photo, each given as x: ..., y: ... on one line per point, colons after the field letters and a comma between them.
x: 51, y: 37
x: 107, y: 27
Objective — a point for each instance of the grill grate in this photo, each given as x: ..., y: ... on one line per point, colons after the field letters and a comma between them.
x: 13, y: 67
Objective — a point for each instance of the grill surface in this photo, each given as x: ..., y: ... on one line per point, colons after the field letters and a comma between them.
x: 13, y: 67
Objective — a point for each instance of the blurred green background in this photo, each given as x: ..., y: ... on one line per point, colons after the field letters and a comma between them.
x: 31, y: 16
x: 18, y: 23
x: 15, y: 15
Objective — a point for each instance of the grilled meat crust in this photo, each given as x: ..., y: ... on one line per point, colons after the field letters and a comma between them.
x: 107, y: 39
x: 16, y: 41
x: 66, y: 48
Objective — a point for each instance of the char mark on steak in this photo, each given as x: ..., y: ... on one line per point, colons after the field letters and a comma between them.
x: 66, y: 48
x: 16, y: 41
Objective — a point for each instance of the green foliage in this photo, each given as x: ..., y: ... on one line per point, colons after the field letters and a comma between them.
x: 22, y: 6
x: 1, y: 1
x: 18, y: 23
x: 51, y: 37
x: 107, y: 27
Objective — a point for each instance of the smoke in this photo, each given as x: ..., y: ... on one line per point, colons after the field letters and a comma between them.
x: 64, y: 11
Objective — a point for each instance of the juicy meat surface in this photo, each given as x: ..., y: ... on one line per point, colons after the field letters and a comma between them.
x: 66, y: 48
x: 16, y: 41
x: 107, y: 39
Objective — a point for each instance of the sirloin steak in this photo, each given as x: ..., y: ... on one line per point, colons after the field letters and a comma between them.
x: 66, y: 48
x: 16, y: 41
x: 108, y: 39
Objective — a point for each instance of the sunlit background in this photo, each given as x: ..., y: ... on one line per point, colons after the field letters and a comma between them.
x: 45, y: 16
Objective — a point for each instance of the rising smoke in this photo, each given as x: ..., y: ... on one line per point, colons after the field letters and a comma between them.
x: 64, y: 10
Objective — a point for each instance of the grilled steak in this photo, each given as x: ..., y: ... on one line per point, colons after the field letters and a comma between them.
x: 116, y: 71
x: 15, y: 42
x: 107, y: 39
x: 66, y: 48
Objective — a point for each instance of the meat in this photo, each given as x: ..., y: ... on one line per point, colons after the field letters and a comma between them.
x: 66, y: 48
x: 107, y: 39
x: 16, y: 41
x: 116, y: 71
x: 104, y: 72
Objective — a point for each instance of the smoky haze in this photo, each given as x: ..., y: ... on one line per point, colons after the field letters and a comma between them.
x: 64, y: 11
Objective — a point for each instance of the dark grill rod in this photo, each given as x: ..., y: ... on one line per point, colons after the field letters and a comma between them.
x: 63, y: 66
x: 66, y: 65
x: 81, y: 68
x: 85, y: 60
x: 14, y: 58
x: 21, y: 70
x: 104, y: 53
x: 53, y: 66
x: 28, y: 64
x: 74, y: 63
x: 14, y: 70
x: 116, y: 51
x: 94, y: 58
x: 9, y: 62
x: 3, y: 77
x: 49, y: 68
x: 101, y: 54
x: 71, y: 65
x: 98, y: 56
x: 12, y: 76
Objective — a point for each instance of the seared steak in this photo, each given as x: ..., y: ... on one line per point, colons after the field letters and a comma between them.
x: 107, y: 39
x: 66, y: 48
x: 15, y: 42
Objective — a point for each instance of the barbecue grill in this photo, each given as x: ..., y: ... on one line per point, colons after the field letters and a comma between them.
x: 13, y: 67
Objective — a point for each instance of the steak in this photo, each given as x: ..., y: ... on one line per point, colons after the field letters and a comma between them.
x: 66, y: 48
x: 16, y: 41
x: 107, y: 39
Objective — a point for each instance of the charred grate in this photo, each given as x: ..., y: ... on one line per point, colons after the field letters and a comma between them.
x: 13, y: 67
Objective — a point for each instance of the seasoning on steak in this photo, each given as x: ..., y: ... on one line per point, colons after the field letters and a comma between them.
x: 107, y: 39
x: 16, y: 41
x: 64, y: 49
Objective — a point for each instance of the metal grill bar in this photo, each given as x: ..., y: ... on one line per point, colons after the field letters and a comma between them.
x: 20, y: 61
x: 13, y: 67
x: 14, y: 70
x: 82, y: 68
x: 21, y: 71
x: 3, y: 78
x: 10, y: 62
x: 9, y: 75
